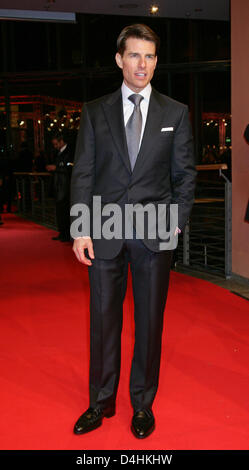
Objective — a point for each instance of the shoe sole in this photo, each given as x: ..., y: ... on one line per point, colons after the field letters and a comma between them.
x: 145, y: 435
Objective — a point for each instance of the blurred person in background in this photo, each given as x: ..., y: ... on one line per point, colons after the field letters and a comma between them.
x: 62, y: 171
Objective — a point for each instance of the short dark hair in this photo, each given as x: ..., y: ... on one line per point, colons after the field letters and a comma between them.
x: 139, y: 31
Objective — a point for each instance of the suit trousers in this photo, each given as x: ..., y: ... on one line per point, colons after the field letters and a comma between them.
x: 108, y: 280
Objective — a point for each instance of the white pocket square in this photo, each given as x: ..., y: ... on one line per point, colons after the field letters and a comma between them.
x: 165, y: 129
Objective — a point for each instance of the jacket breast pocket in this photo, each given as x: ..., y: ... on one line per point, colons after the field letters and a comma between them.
x: 165, y: 139
x: 167, y: 134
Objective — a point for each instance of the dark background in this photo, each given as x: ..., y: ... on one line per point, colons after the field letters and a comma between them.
x: 76, y: 62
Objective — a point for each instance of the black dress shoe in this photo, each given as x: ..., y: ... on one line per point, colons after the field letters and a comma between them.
x: 92, y: 419
x: 143, y: 423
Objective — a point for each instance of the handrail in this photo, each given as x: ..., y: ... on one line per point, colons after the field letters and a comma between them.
x: 212, y: 166
x: 215, y: 166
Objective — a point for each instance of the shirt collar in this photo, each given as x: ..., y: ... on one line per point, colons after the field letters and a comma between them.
x: 126, y: 92
x: 63, y: 148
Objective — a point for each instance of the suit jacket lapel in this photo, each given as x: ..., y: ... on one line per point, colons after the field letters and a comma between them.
x: 113, y: 108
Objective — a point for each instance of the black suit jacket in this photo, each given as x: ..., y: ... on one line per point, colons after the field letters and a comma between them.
x: 164, y: 171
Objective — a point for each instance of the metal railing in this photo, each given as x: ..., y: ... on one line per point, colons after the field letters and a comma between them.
x: 207, y: 238
x: 35, y: 197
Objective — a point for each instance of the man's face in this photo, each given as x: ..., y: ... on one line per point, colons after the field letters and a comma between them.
x: 57, y: 144
x: 138, y: 63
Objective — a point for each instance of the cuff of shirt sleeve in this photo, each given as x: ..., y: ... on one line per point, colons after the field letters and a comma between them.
x: 86, y: 236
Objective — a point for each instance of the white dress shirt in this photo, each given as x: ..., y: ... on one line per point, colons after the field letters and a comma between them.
x: 63, y: 148
x: 128, y: 106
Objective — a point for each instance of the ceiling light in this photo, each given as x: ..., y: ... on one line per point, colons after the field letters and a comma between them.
x: 154, y: 9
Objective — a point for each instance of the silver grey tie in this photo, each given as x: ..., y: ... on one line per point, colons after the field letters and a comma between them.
x: 133, y: 128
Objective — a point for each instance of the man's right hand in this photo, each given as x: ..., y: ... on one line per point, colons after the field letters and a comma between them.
x: 79, y: 247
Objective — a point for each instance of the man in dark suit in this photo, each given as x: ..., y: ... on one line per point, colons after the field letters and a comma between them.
x: 134, y: 146
x: 62, y: 177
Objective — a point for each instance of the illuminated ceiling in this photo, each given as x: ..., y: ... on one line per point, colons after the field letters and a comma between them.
x: 195, y: 9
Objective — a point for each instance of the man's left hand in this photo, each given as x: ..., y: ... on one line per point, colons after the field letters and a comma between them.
x: 50, y: 167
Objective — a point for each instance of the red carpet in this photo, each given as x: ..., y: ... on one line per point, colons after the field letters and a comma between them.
x: 203, y: 397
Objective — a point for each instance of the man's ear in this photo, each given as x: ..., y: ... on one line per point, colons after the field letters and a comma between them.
x: 156, y: 61
x: 119, y: 60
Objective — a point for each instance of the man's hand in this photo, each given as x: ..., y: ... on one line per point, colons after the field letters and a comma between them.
x: 50, y: 167
x: 79, y: 247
